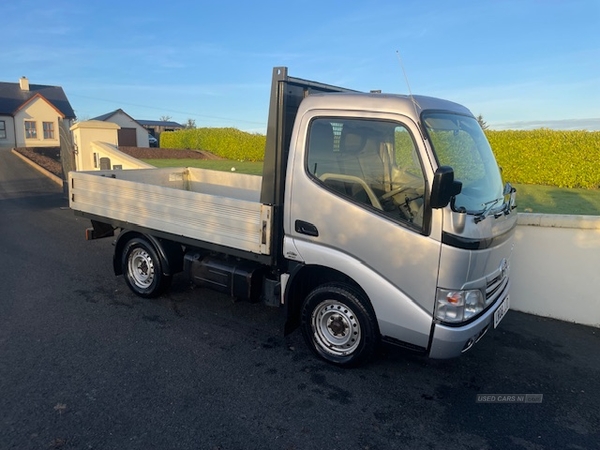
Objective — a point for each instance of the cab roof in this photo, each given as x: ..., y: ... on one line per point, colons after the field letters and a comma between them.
x: 396, y: 103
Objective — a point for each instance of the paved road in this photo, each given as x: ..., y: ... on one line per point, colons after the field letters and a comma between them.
x: 84, y: 364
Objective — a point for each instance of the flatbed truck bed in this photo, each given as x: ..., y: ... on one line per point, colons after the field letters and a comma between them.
x: 220, y: 208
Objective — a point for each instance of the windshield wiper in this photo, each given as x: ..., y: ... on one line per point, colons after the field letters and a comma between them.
x: 486, y: 210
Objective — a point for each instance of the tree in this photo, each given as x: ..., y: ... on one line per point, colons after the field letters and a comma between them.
x: 165, y: 118
x: 191, y: 123
x: 482, y: 122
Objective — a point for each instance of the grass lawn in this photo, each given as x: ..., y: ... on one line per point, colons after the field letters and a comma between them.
x: 530, y: 198
x: 554, y: 200
x: 252, y: 168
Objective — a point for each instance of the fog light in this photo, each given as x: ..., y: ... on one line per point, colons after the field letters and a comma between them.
x: 468, y: 345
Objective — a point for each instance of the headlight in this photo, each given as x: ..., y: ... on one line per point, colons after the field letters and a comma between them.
x: 458, y: 306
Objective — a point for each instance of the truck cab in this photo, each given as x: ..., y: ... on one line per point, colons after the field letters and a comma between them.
x: 403, y: 197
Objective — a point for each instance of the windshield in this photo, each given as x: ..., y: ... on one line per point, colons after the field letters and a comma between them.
x: 459, y: 142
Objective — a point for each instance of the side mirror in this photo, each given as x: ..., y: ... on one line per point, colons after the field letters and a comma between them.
x: 444, y: 187
x: 512, y: 199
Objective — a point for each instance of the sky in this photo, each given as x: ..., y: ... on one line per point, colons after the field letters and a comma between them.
x: 521, y: 64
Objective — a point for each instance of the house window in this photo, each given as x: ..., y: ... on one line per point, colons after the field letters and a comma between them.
x: 30, y: 130
x: 2, y: 129
x: 48, y: 130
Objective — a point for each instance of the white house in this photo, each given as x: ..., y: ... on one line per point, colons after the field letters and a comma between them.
x: 30, y: 114
x: 131, y: 133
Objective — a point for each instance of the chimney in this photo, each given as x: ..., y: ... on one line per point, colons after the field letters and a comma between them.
x: 24, y: 83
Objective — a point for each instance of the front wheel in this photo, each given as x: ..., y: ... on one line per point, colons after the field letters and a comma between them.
x: 339, y: 325
x: 143, y: 269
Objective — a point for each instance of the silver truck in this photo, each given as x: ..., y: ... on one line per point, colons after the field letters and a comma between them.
x: 378, y: 217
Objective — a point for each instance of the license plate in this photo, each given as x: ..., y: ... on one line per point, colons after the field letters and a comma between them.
x: 501, y: 311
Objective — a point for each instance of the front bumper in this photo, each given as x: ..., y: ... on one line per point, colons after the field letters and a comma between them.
x: 450, y: 342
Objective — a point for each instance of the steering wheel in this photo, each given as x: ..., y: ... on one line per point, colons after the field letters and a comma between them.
x: 356, y: 180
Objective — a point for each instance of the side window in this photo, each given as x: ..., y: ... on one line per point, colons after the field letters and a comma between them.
x: 408, y: 182
x: 48, y: 130
x: 30, y: 130
x: 373, y: 163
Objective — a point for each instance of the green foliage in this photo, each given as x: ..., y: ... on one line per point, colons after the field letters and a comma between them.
x: 482, y: 123
x: 406, y: 157
x: 543, y: 157
x: 229, y: 143
x: 459, y: 152
x: 404, y: 148
x: 547, y: 157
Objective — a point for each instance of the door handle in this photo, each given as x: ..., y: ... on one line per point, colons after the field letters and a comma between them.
x: 307, y: 228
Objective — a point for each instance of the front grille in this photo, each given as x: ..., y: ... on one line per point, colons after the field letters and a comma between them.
x: 495, y: 288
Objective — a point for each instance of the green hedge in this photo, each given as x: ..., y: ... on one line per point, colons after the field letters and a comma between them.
x: 229, y: 143
x: 544, y: 157
x: 548, y: 157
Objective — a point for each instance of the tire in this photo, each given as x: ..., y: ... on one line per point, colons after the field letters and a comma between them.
x: 143, y: 269
x: 339, y: 325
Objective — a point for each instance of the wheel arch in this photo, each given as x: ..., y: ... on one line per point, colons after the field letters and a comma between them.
x: 305, y: 278
x: 169, y: 252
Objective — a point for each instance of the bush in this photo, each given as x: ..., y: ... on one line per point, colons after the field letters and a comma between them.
x: 548, y: 157
x: 229, y: 143
x: 544, y: 157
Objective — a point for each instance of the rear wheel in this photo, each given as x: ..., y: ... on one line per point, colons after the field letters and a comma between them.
x: 339, y: 325
x: 143, y: 269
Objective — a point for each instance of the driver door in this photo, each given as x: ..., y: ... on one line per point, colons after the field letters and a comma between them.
x: 362, y: 194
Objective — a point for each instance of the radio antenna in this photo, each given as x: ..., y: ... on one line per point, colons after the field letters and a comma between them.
x: 411, y: 96
x: 406, y: 79
x: 404, y: 72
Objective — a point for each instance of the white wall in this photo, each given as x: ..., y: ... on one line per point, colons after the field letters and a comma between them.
x: 117, y: 157
x: 84, y: 133
x: 556, y: 267
x: 95, y: 139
